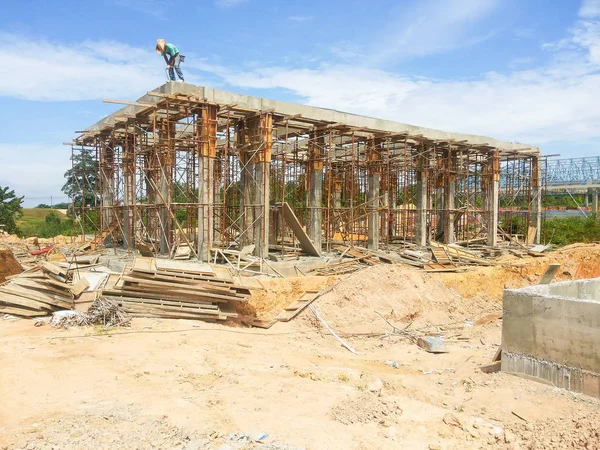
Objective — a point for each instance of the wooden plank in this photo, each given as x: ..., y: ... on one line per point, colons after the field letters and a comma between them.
x: 497, y: 355
x: 290, y: 218
x: 38, y: 285
x: 22, y: 311
x: 151, y: 301
x: 37, y: 296
x: 298, y: 306
x: 151, y: 286
x: 261, y: 323
x: 531, y: 232
x: 13, y: 299
x: 143, y: 293
x: 175, y: 275
x: 491, y: 367
x: 167, y: 281
x: 549, y: 273
x: 175, y: 308
x: 170, y: 314
x: 53, y: 268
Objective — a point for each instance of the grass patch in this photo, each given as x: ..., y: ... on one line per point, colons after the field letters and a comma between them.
x: 569, y: 230
x: 44, y: 223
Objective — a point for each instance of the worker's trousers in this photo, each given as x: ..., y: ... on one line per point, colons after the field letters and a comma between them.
x: 174, y: 67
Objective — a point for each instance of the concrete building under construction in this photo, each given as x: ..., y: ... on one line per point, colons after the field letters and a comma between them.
x: 195, y: 166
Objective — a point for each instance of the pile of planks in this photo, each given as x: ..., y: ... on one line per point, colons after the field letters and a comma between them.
x: 351, y: 259
x: 40, y: 291
x: 165, y: 289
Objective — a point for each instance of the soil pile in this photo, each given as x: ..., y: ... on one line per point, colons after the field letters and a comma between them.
x: 122, y: 428
x: 368, y: 407
x: 8, y: 265
x: 580, y: 432
x: 577, y: 261
x: 401, y: 294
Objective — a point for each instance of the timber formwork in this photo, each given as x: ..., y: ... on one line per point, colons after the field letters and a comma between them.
x: 211, y: 170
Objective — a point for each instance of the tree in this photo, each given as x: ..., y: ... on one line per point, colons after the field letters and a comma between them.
x: 83, y: 178
x: 10, y: 210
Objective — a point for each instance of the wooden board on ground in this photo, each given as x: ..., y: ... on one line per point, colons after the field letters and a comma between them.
x: 290, y: 218
x: 491, y: 367
x: 549, y: 273
x: 21, y: 311
x: 295, y: 308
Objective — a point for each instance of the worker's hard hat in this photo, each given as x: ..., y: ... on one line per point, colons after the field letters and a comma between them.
x: 160, y: 45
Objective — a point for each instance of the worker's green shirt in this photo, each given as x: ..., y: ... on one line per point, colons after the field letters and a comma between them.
x: 170, y: 50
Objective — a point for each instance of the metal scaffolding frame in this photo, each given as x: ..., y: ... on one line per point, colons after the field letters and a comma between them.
x: 182, y: 170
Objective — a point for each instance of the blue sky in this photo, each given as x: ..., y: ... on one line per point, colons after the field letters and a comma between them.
x: 526, y: 71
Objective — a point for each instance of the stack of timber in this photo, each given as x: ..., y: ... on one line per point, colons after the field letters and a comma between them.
x: 40, y: 291
x: 351, y: 259
x: 184, y: 291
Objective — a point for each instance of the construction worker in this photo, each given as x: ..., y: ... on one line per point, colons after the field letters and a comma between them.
x: 172, y: 57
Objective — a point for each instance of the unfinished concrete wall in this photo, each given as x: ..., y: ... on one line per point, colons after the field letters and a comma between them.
x: 552, y: 332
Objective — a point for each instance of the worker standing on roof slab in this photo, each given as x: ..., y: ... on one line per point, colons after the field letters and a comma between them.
x: 172, y: 57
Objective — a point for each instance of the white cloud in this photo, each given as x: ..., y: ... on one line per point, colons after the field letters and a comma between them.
x: 551, y: 103
x: 590, y: 9
x: 37, y: 173
x: 430, y: 27
x: 229, y: 3
x: 90, y: 70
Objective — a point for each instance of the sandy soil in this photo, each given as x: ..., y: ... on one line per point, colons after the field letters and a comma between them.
x: 189, y: 385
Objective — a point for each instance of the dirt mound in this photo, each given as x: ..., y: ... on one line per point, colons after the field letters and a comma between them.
x: 125, y: 429
x: 280, y: 293
x: 367, y: 407
x: 401, y: 294
x: 578, y: 432
x: 8, y: 265
x: 577, y: 261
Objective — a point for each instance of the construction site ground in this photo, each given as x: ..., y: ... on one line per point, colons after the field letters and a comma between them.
x: 189, y: 384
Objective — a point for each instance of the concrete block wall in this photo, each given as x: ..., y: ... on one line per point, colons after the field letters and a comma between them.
x: 552, y: 332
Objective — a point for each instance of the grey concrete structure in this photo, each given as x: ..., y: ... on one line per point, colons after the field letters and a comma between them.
x: 552, y: 332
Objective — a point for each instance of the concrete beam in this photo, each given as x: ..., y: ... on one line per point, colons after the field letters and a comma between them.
x: 309, y: 113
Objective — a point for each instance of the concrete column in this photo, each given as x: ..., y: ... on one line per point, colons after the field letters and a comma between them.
x: 490, y: 188
x: 246, y: 183
x: 263, y: 194
x: 256, y: 135
x: 206, y: 136
x: 166, y: 149
x: 595, y: 201
x: 107, y: 191
x: 384, y: 189
x: 315, y: 194
x: 373, y: 182
x: 449, y: 194
x: 421, y: 213
x: 586, y: 199
x: 337, y: 193
x: 536, y: 184
x: 129, y: 188
x: 439, y: 210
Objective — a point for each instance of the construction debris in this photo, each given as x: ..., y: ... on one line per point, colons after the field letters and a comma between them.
x: 102, y: 312
x: 39, y: 291
x: 162, y: 288
x: 432, y: 344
